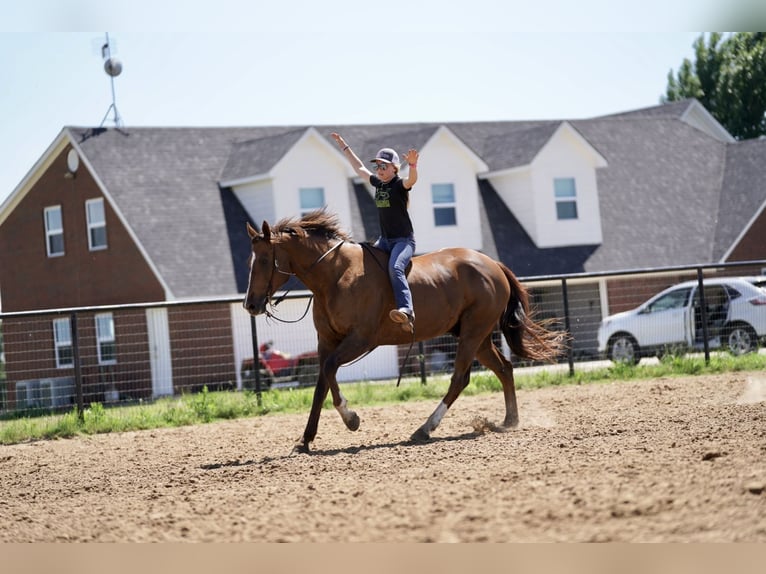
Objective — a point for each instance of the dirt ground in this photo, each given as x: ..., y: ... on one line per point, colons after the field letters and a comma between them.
x: 664, y: 460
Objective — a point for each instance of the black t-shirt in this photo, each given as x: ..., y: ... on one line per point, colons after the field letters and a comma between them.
x: 391, y: 199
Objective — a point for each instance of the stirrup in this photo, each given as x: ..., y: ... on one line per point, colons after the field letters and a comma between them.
x: 404, y: 318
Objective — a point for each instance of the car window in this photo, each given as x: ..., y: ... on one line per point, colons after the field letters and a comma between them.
x: 733, y: 293
x: 673, y: 300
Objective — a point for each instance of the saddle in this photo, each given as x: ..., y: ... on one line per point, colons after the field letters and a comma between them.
x: 381, y: 257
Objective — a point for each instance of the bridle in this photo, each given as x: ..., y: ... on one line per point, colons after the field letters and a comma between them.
x: 276, y: 269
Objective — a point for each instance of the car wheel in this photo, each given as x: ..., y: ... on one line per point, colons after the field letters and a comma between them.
x: 306, y: 374
x: 741, y: 339
x: 624, y: 349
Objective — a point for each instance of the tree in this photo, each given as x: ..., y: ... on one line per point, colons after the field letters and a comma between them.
x: 728, y: 77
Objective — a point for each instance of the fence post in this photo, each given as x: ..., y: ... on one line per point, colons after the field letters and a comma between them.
x: 422, y: 361
x: 77, y: 368
x: 703, y: 316
x: 256, y: 360
x: 570, y: 351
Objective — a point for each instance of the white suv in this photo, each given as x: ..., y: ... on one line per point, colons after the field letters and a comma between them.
x: 672, y: 321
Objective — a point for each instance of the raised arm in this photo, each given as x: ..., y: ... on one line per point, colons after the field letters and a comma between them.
x: 352, y: 158
x: 412, y: 159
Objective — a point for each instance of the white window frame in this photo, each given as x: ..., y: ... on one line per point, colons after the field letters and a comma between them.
x: 304, y: 209
x: 105, y: 338
x: 444, y: 205
x: 62, y: 328
x: 563, y: 197
x: 94, y: 226
x: 51, y: 232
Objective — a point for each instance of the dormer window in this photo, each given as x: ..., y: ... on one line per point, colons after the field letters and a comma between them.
x: 566, y: 197
x: 443, y: 197
x: 311, y: 198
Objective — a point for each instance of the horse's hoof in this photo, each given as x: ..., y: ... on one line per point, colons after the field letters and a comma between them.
x: 352, y: 423
x: 511, y: 424
x: 301, y: 447
x: 420, y: 435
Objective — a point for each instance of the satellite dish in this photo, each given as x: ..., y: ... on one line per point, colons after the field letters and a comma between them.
x: 72, y: 161
x: 113, y: 67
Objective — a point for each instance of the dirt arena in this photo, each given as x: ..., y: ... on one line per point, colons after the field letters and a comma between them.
x: 664, y: 460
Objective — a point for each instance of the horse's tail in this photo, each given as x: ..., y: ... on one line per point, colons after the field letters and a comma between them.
x: 528, y: 339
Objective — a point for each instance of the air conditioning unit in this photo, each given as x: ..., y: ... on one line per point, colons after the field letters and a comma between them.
x: 22, y: 390
x: 57, y: 392
x: 28, y: 394
x: 48, y: 393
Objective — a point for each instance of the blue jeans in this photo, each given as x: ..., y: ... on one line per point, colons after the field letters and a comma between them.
x: 400, y: 250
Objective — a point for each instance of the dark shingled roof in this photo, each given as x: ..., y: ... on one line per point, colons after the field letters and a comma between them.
x: 671, y: 194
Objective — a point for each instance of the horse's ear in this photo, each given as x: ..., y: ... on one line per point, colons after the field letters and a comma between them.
x: 251, y: 231
x: 266, y: 231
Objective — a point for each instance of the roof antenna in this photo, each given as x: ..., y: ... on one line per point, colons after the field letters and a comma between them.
x: 113, y: 68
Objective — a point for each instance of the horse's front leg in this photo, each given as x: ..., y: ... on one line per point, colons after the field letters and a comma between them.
x: 330, y: 359
x: 310, y: 433
x: 349, y: 349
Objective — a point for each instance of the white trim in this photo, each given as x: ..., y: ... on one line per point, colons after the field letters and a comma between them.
x: 49, y: 232
x: 245, y: 180
x: 62, y: 344
x: 742, y: 233
x: 105, y: 192
x: 707, y: 122
x: 34, y: 174
x: 603, y: 293
x: 100, y: 339
x: 481, y: 165
x: 600, y: 159
x: 502, y: 172
x: 91, y: 226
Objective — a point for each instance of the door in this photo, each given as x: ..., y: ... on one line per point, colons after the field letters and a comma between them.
x: 665, y: 320
x: 159, y: 351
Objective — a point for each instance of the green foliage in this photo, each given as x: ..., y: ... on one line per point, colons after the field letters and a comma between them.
x: 206, y: 406
x: 728, y: 77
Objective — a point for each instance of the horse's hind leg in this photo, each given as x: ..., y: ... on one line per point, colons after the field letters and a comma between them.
x: 460, y: 378
x: 489, y: 356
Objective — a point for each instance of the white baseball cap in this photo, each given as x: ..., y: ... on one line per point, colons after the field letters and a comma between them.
x: 387, y: 155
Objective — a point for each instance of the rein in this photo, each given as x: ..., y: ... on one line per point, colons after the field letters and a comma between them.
x: 369, y: 248
x: 287, y: 291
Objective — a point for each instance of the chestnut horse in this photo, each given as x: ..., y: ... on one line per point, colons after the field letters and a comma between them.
x: 458, y: 291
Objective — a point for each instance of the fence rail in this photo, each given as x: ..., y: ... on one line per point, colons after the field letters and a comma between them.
x: 56, y: 359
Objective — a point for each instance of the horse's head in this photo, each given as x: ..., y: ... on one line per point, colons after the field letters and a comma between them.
x: 267, y: 274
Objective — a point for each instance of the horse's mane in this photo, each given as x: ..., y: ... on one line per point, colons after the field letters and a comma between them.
x: 314, y: 223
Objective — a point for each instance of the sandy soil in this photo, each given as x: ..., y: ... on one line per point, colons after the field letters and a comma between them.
x: 671, y: 460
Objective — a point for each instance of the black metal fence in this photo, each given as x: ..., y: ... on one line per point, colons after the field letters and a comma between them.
x: 122, y: 354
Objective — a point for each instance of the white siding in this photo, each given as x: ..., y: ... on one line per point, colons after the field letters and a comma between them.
x: 443, y: 160
x: 566, y: 156
x: 517, y: 192
x: 311, y: 163
x: 258, y: 200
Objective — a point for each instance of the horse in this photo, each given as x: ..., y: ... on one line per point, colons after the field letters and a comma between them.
x: 455, y: 290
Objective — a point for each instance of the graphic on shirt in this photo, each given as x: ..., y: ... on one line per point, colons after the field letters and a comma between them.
x: 382, y: 198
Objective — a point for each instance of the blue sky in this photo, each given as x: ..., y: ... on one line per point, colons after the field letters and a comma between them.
x: 337, y: 61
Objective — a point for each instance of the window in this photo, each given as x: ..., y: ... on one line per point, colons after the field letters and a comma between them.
x: 674, y: 300
x: 105, y: 339
x: 443, y: 197
x: 94, y: 213
x: 54, y: 231
x: 62, y: 343
x: 566, y: 198
x: 311, y: 198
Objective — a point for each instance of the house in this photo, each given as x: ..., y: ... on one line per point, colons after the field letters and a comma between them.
x: 129, y: 215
